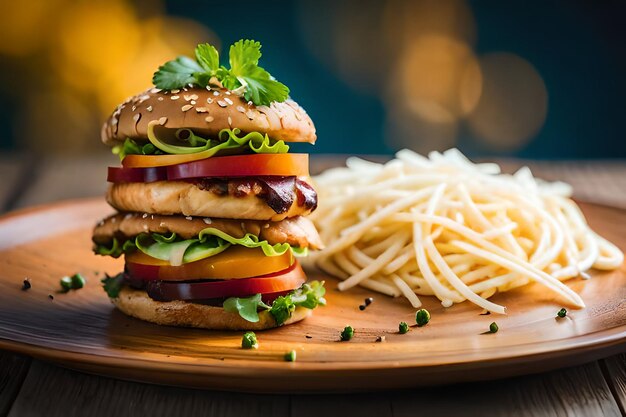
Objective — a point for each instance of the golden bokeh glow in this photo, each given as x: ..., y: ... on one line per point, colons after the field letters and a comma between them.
x: 94, y: 55
x: 513, y: 105
x: 439, y: 78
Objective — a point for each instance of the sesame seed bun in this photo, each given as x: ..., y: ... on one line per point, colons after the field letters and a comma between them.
x: 138, y: 304
x: 297, y: 231
x: 188, y: 199
x: 206, y: 112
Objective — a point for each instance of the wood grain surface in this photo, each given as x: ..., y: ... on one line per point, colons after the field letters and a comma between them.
x: 52, y: 391
x: 82, y: 330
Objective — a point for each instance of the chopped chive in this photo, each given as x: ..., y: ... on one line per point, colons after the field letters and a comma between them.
x: 249, y: 341
x: 422, y: 317
x: 347, y: 333
x: 493, y: 328
x: 403, y: 327
x: 78, y: 281
x: 66, y: 284
x: 26, y: 284
x: 290, y: 356
x: 562, y: 313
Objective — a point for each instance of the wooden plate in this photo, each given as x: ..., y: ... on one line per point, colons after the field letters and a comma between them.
x: 81, y: 329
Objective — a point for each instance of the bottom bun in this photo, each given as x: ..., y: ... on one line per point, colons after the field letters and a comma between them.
x: 137, y: 303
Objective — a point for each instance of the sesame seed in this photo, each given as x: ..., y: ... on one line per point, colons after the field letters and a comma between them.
x: 209, y: 100
x: 209, y: 119
x: 175, y: 91
x: 114, y: 121
x: 193, y: 102
x: 194, y: 96
x: 187, y: 97
x: 189, y: 218
x: 162, y: 120
x: 137, y: 117
x: 149, y: 108
x: 208, y: 87
x: 250, y: 103
x: 222, y: 103
x: 230, y: 121
x: 145, y: 227
x: 152, y: 217
x: 128, y: 216
x: 202, y: 109
x: 240, y: 109
x: 144, y: 215
x: 186, y: 107
x: 160, y: 98
x: 227, y: 93
x: 133, y: 108
x: 175, y: 97
x: 207, y: 220
x: 155, y: 90
x: 229, y: 101
x: 216, y: 93
x: 266, y: 226
x: 161, y: 224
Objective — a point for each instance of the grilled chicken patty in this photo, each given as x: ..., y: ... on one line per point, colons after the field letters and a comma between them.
x: 297, y: 231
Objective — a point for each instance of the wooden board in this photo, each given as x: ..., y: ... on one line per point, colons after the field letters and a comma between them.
x: 81, y: 329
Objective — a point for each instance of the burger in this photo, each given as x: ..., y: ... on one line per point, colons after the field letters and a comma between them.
x: 211, y: 205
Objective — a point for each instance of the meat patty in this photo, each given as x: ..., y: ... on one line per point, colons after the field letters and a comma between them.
x: 259, y: 198
x: 297, y: 231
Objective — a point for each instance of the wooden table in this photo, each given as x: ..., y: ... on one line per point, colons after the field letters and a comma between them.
x: 31, y: 387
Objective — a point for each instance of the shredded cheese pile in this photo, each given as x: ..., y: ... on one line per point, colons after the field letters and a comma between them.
x: 447, y: 227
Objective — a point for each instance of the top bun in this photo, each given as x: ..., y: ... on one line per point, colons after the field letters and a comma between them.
x: 206, y: 112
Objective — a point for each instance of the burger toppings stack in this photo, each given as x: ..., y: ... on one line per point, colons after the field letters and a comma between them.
x: 211, y: 204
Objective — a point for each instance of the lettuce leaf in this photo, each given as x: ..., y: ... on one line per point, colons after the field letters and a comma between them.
x: 246, y: 307
x: 228, y: 142
x: 210, y: 242
x: 309, y: 295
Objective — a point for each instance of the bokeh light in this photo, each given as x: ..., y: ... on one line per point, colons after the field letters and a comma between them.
x: 95, y: 54
x: 416, y: 60
x: 513, y: 104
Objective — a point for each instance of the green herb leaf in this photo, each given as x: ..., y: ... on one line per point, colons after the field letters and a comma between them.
x: 259, y: 86
x: 113, y: 285
x: 177, y: 73
x: 208, y: 57
x: 246, y: 307
x: 309, y: 295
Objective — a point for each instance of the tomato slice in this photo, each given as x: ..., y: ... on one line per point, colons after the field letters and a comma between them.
x: 286, y: 280
x: 234, y: 263
x: 285, y: 164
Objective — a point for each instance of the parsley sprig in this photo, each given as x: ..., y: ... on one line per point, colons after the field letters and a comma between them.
x: 258, y: 85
